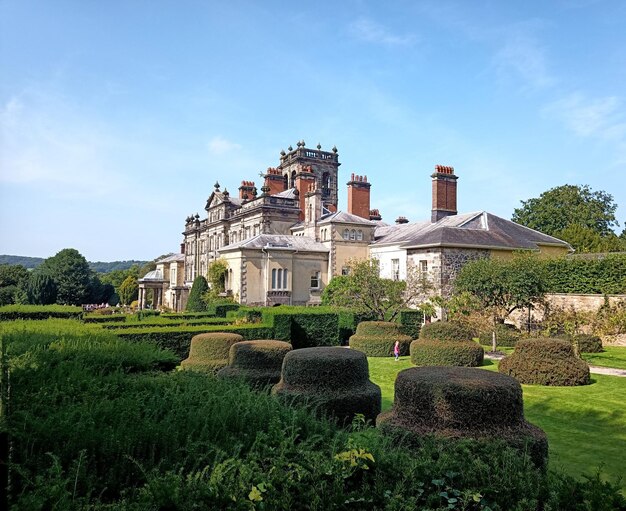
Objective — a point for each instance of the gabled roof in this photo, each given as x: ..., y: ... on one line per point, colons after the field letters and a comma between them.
x: 219, y: 197
x: 477, y: 229
x: 278, y: 242
x: 341, y: 217
x: 171, y: 258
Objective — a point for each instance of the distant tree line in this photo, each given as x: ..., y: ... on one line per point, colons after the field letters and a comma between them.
x: 68, y: 279
x: 31, y: 263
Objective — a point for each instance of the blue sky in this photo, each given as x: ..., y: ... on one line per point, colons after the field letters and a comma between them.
x: 117, y: 117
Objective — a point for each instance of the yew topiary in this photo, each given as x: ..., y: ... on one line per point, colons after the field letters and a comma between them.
x: 446, y: 331
x: 335, y: 381
x: 377, y: 338
x: 545, y: 362
x: 459, y: 402
x: 209, y: 351
x: 428, y: 352
x: 257, y: 362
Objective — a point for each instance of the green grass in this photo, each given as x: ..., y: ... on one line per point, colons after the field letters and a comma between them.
x: 586, y: 426
x: 612, y: 356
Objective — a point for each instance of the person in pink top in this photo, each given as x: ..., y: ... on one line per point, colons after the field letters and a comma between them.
x: 396, y: 350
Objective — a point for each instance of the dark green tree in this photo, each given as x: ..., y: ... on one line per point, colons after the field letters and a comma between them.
x: 128, y: 290
x: 13, y: 278
x: 555, y: 211
x: 41, y: 289
x: 196, y: 303
x: 71, y: 274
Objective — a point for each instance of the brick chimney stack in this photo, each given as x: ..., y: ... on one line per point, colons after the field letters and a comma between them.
x: 305, y: 178
x: 246, y: 190
x: 402, y: 220
x: 274, y: 181
x: 359, y: 196
x: 444, y: 193
x: 375, y: 215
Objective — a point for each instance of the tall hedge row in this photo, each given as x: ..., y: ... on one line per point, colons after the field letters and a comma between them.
x: 38, y: 312
x: 587, y: 276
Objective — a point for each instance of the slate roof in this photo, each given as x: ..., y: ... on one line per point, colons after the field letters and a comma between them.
x: 286, y: 194
x: 171, y: 258
x: 344, y: 218
x: 278, y: 242
x: 154, y: 275
x: 477, y: 229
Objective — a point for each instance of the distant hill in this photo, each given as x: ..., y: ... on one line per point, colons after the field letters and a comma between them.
x: 98, y: 266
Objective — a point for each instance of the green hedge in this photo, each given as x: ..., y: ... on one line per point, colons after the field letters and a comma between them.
x: 258, y: 363
x: 446, y: 331
x: 209, y: 351
x: 431, y: 352
x: 222, y: 310
x: 545, y: 362
x: 411, y: 321
x: 188, y: 315
x: 117, y: 318
x: 304, y: 327
x: 585, y: 275
x: 38, y: 312
x: 584, y: 342
x: 179, y: 340
x: 506, y: 335
x: 377, y: 339
x: 169, y: 324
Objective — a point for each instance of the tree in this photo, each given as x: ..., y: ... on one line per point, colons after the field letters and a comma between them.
x: 585, y: 239
x: 41, y: 289
x: 128, y: 290
x: 195, y: 303
x: 13, y: 277
x: 502, y: 286
x: 559, y: 208
x: 71, y: 274
x: 364, y: 289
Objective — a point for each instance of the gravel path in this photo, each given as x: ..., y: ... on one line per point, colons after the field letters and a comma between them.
x: 611, y: 371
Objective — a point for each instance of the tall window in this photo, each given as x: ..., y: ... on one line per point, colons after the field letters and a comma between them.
x: 279, y: 278
x: 395, y: 269
x: 352, y: 235
x: 173, y: 276
x: 423, y: 266
x: 315, y: 280
x: 346, y: 234
x: 359, y: 235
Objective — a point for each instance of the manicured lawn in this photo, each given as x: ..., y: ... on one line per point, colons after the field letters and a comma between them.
x: 586, y: 426
x: 613, y: 356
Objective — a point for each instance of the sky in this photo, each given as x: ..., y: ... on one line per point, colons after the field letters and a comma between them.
x: 117, y: 117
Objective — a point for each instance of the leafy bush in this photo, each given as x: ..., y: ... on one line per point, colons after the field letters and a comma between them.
x: 458, y: 402
x: 335, y: 381
x: 411, y: 321
x: 209, y: 352
x: 38, y: 312
x: 545, y: 362
x: 588, y: 343
x: 222, y: 309
x: 377, y: 339
x: 606, y: 275
x: 195, y: 302
x: 446, y: 331
x: 259, y: 363
x: 429, y: 352
x: 507, y: 335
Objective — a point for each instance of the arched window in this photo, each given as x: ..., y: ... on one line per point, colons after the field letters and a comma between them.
x: 352, y: 235
x: 359, y: 235
x: 285, y: 181
x: 346, y: 234
x: 293, y: 179
x: 285, y: 279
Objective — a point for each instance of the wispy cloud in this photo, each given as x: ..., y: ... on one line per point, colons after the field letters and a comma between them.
x: 523, y: 59
x: 370, y: 31
x: 218, y: 145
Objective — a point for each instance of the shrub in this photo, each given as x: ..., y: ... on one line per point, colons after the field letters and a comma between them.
x: 429, y: 352
x: 605, y: 275
x: 446, y: 331
x: 545, y: 362
x: 458, y: 402
x: 195, y: 303
x: 39, y: 312
x: 333, y: 380
x: 209, y: 352
x: 411, y: 321
x: 588, y: 343
x: 377, y: 339
x: 304, y: 327
x: 257, y: 362
x: 507, y: 335
x: 222, y: 309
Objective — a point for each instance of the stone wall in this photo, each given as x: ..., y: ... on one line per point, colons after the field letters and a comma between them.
x: 452, y: 260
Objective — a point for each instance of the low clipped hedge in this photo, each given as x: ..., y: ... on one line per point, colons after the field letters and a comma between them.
x: 459, y: 402
x: 304, y: 327
x: 507, y: 336
x: 39, y: 312
x: 333, y: 381
x: 348, y: 322
x: 545, y: 362
x: 222, y: 310
x: 209, y: 352
x: 411, y: 321
x: 446, y: 331
x: 116, y: 318
x: 187, y: 315
x: 585, y: 343
x: 429, y: 352
x: 258, y: 363
x: 169, y: 324
x: 179, y: 339
x: 377, y: 339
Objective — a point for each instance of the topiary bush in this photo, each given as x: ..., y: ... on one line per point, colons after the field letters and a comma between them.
x: 545, y: 362
x: 335, y: 381
x: 459, y: 402
x: 411, y: 321
x: 259, y: 362
x: 507, y: 335
x: 446, y: 331
x: 588, y: 343
x: 209, y: 352
x: 377, y: 339
x: 429, y: 352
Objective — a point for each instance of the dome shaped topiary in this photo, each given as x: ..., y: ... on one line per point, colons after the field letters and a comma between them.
x: 584, y: 342
x: 545, y: 362
x: 446, y: 331
x: 377, y: 339
x: 334, y: 380
x: 257, y: 362
x: 427, y: 352
x: 209, y: 351
x: 459, y: 402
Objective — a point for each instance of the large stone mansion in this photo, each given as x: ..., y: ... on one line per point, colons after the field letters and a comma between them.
x: 284, y: 244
